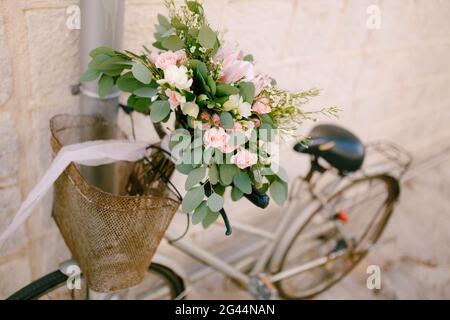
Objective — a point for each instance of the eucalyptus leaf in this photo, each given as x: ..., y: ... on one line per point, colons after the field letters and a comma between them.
x: 105, y: 85
x: 208, y: 155
x: 223, y: 89
x: 200, y: 213
x: 207, y: 37
x: 243, y: 182
x: 97, y: 61
x: 89, y: 75
x: 210, y: 218
x: 227, y: 172
x: 159, y: 110
x: 142, y: 104
x: 128, y: 83
x: 213, y: 174
x: 146, y: 92
x: 173, y: 43
x: 236, y: 194
x: 111, y: 64
x: 164, y: 22
x: 101, y: 50
x: 215, y: 202
x: 247, y: 91
x: 279, y: 192
x: 192, y: 199
x: 195, y: 177
x: 141, y: 73
x: 184, y: 168
x: 226, y: 119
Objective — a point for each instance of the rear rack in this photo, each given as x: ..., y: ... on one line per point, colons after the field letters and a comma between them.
x: 386, y: 156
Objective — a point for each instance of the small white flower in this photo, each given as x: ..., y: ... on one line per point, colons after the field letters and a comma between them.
x: 235, y: 102
x: 232, y: 103
x: 245, y: 109
x: 190, y: 109
x: 176, y: 77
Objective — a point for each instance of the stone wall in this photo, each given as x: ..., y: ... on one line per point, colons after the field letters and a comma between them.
x: 391, y: 83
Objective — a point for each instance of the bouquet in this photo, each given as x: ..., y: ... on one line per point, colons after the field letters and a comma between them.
x: 229, y: 121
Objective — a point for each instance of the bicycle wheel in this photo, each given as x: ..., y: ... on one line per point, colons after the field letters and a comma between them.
x: 334, y: 239
x: 160, y: 283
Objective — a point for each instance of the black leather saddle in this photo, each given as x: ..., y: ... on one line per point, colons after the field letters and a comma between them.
x: 338, y: 146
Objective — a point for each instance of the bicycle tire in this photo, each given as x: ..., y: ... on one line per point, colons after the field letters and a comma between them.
x: 393, y: 189
x: 55, y: 279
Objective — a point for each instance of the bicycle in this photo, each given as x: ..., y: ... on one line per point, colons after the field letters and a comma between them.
x: 318, y: 241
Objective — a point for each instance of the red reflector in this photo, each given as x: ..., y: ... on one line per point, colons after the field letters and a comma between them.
x: 342, y: 216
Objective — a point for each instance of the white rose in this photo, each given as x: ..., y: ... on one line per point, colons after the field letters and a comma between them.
x: 176, y: 77
x: 245, y: 109
x: 190, y: 109
x: 232, y: 103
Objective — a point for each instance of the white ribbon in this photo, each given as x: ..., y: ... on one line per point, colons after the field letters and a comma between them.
x: 91, y: 153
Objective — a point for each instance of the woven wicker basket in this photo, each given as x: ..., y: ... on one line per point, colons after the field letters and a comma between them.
x: 111, y: 234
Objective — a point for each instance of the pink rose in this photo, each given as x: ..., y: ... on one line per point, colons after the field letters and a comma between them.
x: 204, y: 116
x: 216, y: 138
x: 216, y: 119
x: 175, y: 99
x: 181, y: 57
x: 227, y: 148
x: 260, y: 108
x: 244, y: 159
x: 233, y: 68
x: 260, y: 81
x: 166, y: 59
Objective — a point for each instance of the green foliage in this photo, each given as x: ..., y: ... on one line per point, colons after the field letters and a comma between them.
x: 247, y: 91
x: 105, y: 85
x: 141, y: 73
x: 200, y: 213
x: 279, y: 192
x: 215, y: 202
x: 89, y: 75
x: 101, y: 50
x: 236, y: 194
x: 192, y: 199
x: 243, y: 182
x: 173, y: 43
x: 184, y: 168
x: 159, y: 110
x: 223, y: 89
x: 210, y: 218
x: 146, y: 92
x: 226, y: 119
x: 207, y: 38
x: 213, y: 174
x: 195, y: 177
x: 128, y: 83
x: 226, y: 173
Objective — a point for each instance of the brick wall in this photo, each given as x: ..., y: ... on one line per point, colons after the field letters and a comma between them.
x: 390, y: 82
